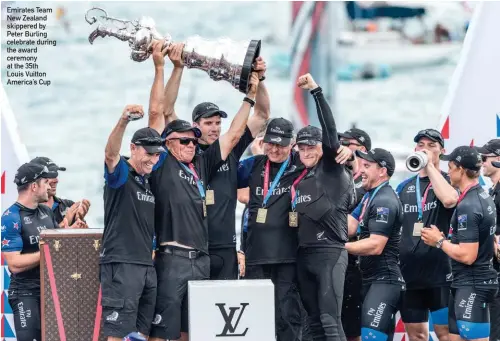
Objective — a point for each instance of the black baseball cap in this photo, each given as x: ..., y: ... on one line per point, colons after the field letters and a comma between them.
x: 359, y: 135
x: 32, y: 171
x: 381, y: 156
x: 279, y: 131
x: 466, y: 157
x: 51, y: 165
x: 206, y: 110
x: 149, y: 139
x: 431, y: 134
x: 491, y: 147
x: 309, y: 135
x: 180, y: 126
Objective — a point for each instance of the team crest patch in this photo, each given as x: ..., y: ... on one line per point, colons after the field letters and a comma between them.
x: 382, y: 215
x: 462, y: 222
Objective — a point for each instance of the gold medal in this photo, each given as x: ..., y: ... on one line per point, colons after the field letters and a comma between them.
x: 204, y: 209
x: 261, y: 215
x: 293, y: 219
x: 210, y: 197
x: 417, y: 229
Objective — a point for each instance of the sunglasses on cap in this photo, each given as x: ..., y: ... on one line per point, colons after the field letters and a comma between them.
x: 431, y: 133
x: 185, y: 140
x: 150, y: 141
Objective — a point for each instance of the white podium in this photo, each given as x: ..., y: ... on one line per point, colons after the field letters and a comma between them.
x: 239, y: 309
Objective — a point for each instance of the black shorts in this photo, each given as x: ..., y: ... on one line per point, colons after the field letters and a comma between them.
x: 417, y: 303
x: 175, y: 267
x: 128, y: 298
x: 380, y: 304
x: 469, y: 313
x: 26, y: 311
x: 223, y: 264
x: 351, y: 305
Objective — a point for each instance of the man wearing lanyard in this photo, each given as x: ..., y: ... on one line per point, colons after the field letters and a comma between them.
x: 490, y: 153
x: 222, y: 189
x: 271, y: 243
x: 354, y: 139
x: 180, y: 188
x: 320, y: 200
x: 475, y: 282
x: 378, y: 218
x: 427, y: 199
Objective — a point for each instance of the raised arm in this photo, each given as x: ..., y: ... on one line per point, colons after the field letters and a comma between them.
x: 173, y: 84
x: 228, y: 140
x: 156, y: 120
x: 262, y: 108
x: 112, y: 151
x: 325, y: 115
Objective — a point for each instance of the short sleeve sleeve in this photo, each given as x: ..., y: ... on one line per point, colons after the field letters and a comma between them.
x: 11, y: 232
x: 119, y: 176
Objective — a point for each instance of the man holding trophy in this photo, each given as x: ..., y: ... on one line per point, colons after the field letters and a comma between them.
x: 223, y: 187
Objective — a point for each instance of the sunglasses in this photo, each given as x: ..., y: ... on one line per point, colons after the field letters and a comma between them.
x: 432, y: 133
x: 485, y: 157
x: 186, y: 140
x: 151, y: 141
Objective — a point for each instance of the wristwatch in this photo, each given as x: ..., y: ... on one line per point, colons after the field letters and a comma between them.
x: 439, y: 243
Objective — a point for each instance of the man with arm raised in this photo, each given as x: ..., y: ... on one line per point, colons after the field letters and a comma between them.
x: 222, y: 189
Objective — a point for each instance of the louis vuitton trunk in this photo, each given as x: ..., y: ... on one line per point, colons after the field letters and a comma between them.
x: 69, y: 271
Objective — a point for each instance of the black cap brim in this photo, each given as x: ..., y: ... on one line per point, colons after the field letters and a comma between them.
x: 154, y: 149
x: 483, y: 150
x: 309, y: 142
x: 365, y: 156
x: 279, y: 140
x: 196, y: 131
x: 445, y: 157
x: 419, y: 136
x: 50, y: 175
x: 346, y: 136
x: 212, y: 113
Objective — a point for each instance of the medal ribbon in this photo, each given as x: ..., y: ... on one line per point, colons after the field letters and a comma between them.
x: 295, y: 193
x: 192, y: 171
x: 460, y: 198
x: 369, y: 199
x: 269, y: 191
x: 421, y: 200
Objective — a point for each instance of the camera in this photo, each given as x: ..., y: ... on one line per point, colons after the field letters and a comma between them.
x: 416, y: 161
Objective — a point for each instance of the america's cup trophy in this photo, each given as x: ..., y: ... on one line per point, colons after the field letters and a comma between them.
x: 222, y: 59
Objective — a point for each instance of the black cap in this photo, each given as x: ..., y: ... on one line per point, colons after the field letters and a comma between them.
x: 279, y: 131
x: 381, y: 156
x: 359, y: 135
x: 32, y: 171
x: 309, y: 135
x: 149, y: 139
x: 431, y: 134
x: 206, y: 110
x: 51, y: 165
x: 491, y: 147
x: 466, y: 157
x: 181, y: 126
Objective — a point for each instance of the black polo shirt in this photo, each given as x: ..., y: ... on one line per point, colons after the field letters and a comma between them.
x: 423, y: 266
x: 128, y: 216
x: 179, y: 206
x: 474, y: 221
x: 21, y: 227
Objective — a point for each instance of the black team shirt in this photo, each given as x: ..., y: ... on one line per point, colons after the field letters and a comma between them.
x: 382, y: 216
x: 474, y: 222
x: 325, y: 194
x: 60, y: 207
x: 128, y: 216
x: 179, y: 206
x: 274, y: 241
x: 21, y: 227
x: 423, y: 266
x: 224, y: 183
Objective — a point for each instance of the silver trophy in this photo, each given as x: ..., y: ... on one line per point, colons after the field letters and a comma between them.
x: 222, y: 59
